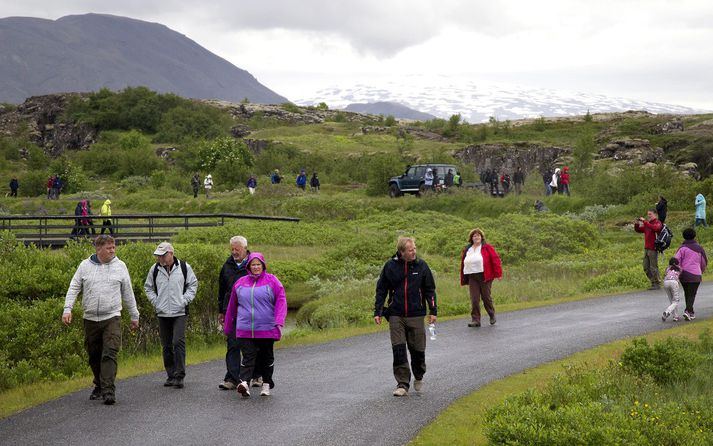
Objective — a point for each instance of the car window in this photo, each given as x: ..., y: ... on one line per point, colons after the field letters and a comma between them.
x: 411, y: 172
x: 420, y: 171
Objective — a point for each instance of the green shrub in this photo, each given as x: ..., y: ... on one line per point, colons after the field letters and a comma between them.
x: 667, y: 361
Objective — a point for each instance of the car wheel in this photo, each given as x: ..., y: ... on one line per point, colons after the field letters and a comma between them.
x: 394, y: 191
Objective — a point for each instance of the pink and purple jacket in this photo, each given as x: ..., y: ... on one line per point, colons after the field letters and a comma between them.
x: 692, y: 260
x: 672, y: 274
x: 257, y: 307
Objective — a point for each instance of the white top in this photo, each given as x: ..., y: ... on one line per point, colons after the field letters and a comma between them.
x: 473, y: 263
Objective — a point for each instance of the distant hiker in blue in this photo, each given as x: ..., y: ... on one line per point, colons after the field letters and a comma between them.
x: 276, y: 178
x: 14, y: 185
x: 302, y: 180
x: 700, y: 211
x: 252, y: 184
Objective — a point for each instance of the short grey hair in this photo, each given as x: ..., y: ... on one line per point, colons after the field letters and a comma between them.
x: 239, y: 240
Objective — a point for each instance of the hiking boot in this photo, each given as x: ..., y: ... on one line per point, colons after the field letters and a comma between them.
x: 227, y: 385
x: 400, y: 391
x: 244, y: 389
x: 178, y: 383
x: 257, y: 382
x: 170, y: 382
x: 474, y: 324
x: 109, y: 399
x: 265, y: 390
x: 492, y: 320
x: 418, y: 385
x: 96, y: 394
x: 665, y: 316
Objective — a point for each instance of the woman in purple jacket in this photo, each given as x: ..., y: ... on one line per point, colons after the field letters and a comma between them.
x: 255, y: 315
x: 693, y: 261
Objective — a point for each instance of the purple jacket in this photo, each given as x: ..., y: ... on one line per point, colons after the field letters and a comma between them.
x: 257, y: 307
x: 692, y: 260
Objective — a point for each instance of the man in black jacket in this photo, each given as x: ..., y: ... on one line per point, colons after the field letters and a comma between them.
x: 233, y: 269
x: 409, y: 285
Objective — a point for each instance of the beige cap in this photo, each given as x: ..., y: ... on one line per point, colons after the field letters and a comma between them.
x: 163, y: 248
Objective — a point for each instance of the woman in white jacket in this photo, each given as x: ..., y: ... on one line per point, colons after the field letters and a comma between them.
x: 554, y: 185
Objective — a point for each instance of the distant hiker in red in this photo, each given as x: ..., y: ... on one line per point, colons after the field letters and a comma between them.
x: 650, y: 227
x: 564, y: 181
x: 479, y: 266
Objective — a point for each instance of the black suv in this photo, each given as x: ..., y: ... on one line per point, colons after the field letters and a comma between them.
x: 412, y: 181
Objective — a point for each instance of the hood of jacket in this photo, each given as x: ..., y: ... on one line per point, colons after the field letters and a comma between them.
x: 107, y: 202
x: 260, y: 257
x: 94, y: 259
x: 557, y: 171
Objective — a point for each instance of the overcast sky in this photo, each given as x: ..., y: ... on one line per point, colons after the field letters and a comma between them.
x: 654, y: 50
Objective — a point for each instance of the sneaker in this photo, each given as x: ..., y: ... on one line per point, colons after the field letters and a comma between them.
x: 109, y: 399
x: 474, y: 324
x: 418, y: 385
x: 687, y: 316
x: 170, y: 382
x: 227, y: 385
x: 492, y: 320
x: 96, y: 394
x: 400, y: 391
x: 675, y: 319
x: 691, y: 316
x: 665, y: 316
x: 178, y: 383
x: 244, y: 389
x: 265, y: 390
x: 257, y: 382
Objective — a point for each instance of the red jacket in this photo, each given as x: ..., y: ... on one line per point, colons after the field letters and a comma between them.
x: 564, y: 178
x: 492, y: 268
x: 650, y: 229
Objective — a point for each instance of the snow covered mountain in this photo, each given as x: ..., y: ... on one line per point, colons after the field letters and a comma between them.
x: 444, y: 96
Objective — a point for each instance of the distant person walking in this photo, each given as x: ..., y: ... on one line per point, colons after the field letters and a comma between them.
x: 170, y: 286
x: 662, y: 209
x: 428, y: 179
x: 276, y: 178
x: 554, y: 183
x: 208, y: 185
x: 693, y: 262
x: 408, y: 283
x: 505, y: 181
x: 57, y: 186
x: 88, y: 220
x: 14, y: 185
x: 670, y: 284
x: 650, y: 227
x: 314, y: 183
x: 106, y: 217
x: 479, y: 266
x: 104, y: 282
x: 78, y: 229
x: 519, y: 180
x: 256, y: 315
x: 251, y: 184
x: 301, y: 180
x: 448, y: 181
x: 195, y: 185
x: 700, y: 211
x: 564, y: 181
x: 547, y: 179
x: 233, y: 269
x: 50, y: 188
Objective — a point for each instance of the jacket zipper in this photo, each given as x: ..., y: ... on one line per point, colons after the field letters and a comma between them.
x: 405, y: 289
x: 252, y: 308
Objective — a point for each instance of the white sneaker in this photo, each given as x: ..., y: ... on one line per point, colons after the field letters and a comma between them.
x: 244, y: 389
x: 400, y: 391
x: 265, y: 390
x: 257, y: 382
x: 418, y: 385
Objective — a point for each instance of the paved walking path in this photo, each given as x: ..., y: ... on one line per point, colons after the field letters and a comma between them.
x: 339, y: 393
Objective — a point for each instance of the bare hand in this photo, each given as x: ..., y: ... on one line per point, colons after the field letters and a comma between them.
x: 134, y: 325
x: 432, y: 319
x: 377, y: 319
x: 221, y: 318
x: 67, y: 318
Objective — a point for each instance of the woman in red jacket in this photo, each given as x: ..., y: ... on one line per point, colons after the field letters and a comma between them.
x: 479, y: 266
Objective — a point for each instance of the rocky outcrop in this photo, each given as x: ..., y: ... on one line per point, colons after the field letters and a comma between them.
x: 240, y: 131
x: 39, y: 118
x: 673, y: 126
x: 256, y: 146
x: 531, y: 157
x: 289, y: 113
x: 635, y: 151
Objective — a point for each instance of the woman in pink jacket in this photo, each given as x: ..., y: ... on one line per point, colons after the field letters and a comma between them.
x: 255, y: 315
x: 693, y: 261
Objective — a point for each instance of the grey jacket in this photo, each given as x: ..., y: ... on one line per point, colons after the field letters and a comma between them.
x: 170, y: 301
x: 103, y: 286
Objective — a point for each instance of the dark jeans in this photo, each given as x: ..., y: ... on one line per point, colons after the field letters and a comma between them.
x: 232, y: 360
x: 173, y: 341
x: 258, y: 359
x: 689, y: 290
x: 102, y: 341
x: 408, y: 333
x: 479, y: 288
x: 700, y: 221
x: 106, y: 224
x: 13, y: 192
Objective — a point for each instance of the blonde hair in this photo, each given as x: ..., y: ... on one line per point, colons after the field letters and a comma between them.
x: 403, y: 241
x: 102, y: 240
x: 476, y: 231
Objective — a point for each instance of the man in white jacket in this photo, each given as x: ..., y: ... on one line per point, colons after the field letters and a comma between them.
x: 104, y: 282
x: 170, y: 286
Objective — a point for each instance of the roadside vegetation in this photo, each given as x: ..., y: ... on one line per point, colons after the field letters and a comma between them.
x: 585, y: 246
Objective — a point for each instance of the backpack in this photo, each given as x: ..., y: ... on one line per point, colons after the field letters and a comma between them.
x: 184, y: 270
x: 663, y: 239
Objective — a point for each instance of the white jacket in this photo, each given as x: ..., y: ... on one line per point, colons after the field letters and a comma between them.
x: 171, y: 301
x: 103, y: 286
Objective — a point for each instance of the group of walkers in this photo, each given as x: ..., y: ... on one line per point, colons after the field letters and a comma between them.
x: 84, y: 223
x: 556, y: 182
x: 433, y: 182
x: 500, y: 184
x: 685, y: 268
x: 55, y: 184
x: 251, y: 184
x: 252, y: 308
